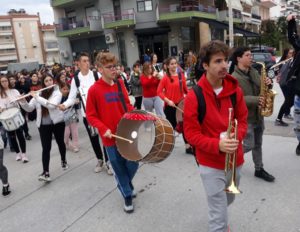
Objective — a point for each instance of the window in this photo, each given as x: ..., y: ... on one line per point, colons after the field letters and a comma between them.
x: 144, y: 5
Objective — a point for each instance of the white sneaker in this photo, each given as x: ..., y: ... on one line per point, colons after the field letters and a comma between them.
x: 99, y: 166
x: 18, y: 157
x: 76, y: 149
x: 24, y: 158
x: 109, y: 169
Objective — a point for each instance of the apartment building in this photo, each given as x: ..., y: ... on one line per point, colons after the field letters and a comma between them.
x: 135, y: 27
x: 290, y: 7
x: 52, y: 53
x: 20, y: 38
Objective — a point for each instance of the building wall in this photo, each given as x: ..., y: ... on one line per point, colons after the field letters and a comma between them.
x: 51, y: 47
x: 28, y: 40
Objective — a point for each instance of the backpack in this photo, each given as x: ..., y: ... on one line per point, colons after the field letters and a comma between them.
x: 202, y: 107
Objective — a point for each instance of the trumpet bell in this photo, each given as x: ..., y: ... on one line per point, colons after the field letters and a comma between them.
x: 233, y: 189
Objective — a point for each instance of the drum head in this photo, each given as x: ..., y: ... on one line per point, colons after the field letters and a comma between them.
x: 9, y: 113
x: 141, y: 132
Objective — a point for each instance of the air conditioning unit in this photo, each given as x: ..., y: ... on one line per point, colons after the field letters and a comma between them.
x: 64, y: 54
x: 109, y: 38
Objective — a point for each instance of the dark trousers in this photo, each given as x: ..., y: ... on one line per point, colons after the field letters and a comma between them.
x: 46, y: 132
x: 170, y: 113
x: 95, y: 142
x: 138, y: 102
x: 289, y: 96
x: 25, y: 126
x: 3, y: 169
x: 17, y: 134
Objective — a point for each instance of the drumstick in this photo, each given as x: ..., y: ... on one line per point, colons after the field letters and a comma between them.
x: 178, y: 109
x: 122, y: 138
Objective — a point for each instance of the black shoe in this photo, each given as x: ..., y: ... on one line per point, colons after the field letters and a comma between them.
x: 6, y: 191
x: 189, y: 151
x: 28, y: 137
x: 298, y: 149
x: 128, y: 206
x: 45, y: 176
x: 264, y: 175
x: 64, y: 165
x: 279, y: 122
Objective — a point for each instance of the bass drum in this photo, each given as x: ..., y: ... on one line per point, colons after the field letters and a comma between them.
x: 153, y: 137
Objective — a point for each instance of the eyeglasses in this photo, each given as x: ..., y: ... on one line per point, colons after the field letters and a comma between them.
x: 110, y: 67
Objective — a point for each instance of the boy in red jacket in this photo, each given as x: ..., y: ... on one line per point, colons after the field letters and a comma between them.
x: 104, y: 110
x: 217, y: 88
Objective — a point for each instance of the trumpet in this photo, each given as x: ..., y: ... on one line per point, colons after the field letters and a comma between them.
x: 230, y: 159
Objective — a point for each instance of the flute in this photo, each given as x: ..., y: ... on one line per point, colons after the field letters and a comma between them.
x: 28, y: 94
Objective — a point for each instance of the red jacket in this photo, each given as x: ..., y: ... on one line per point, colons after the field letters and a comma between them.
x: 149, y: 86
x: 171, y: 90
x: 205, y: 137
x: 104, y: 109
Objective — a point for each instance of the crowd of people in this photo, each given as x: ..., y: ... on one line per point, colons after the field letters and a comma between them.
x: 53, y: 98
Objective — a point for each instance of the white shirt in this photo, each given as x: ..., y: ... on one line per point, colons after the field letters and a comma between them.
x: 85, y: 83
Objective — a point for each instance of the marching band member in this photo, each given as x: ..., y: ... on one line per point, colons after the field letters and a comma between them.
x: 150, y: 82
x: 49, y: 121
x: 172, y: 89
x: 3, y: 172
x: 86, y: 79
x: 217, y: 88
x: 106, y: 104
x: 7, y: 95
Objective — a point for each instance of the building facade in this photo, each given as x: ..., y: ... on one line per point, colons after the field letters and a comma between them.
x: 52, y: 52
x: 136, y: 27
x: 20, y: 38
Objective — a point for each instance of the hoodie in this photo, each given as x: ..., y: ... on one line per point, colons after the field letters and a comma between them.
x: 205, y: 137
x: 104, y: 109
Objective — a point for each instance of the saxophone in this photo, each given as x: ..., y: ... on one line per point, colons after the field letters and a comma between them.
x: 269, y: 94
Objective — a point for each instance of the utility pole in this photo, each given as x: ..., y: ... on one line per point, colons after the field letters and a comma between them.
x: 230, y: 21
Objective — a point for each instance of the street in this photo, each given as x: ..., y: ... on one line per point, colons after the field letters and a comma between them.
x: 170, y: 194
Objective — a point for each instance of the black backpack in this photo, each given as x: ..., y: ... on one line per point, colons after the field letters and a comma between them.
x: 202, y: 107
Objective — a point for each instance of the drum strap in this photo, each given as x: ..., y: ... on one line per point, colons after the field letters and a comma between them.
x: 180, y: 81
x: 121, y: 95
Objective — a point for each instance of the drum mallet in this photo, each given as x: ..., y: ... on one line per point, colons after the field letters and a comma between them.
x: 122, y: 138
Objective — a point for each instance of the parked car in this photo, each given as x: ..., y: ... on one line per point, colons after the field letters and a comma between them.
x: 264, y: 57
x: 265, y: 49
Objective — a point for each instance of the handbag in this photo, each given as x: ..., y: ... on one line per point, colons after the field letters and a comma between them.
x: 70, y: 115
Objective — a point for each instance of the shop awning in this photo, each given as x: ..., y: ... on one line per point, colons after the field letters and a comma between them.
x: 236, y: 4
x: 152, y: 31
x: 223, y: 25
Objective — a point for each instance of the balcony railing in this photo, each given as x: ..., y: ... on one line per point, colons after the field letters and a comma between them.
x: 178, y: 11
x: 224, y: 16
x: 125, y: 18
x: 65, y: 28
x: 254, y: 16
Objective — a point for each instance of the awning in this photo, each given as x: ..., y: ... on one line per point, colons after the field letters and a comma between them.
x: 152, y: 31
x: 236, y: 4
x: 225, y: 26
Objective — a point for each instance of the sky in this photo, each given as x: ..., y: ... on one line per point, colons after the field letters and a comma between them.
x: 31, y: 7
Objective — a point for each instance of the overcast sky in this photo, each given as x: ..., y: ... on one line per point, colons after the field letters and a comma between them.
x: 31, y: 7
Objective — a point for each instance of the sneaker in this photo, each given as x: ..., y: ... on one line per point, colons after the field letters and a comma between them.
x: 189, y: 151
x: 24, y: 158
x: 28, y: 137
x: 279, y: 122
x: 264, y: 175
x: 64, y: 165
x: 298, y: 149
x: 76, y: 149
x: 45, y: 176
x: 288, y: 117
x: 6, y: 191
x: 128, y: 206
x: 18, y: 157
x: 109, y: 169
x: 99, y: 166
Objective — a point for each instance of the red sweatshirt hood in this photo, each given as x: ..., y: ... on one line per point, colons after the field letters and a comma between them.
x: 230, y: 85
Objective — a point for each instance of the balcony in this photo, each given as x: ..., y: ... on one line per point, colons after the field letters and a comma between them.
x: 6, y: 32
x: 65, y: 29
x: 176, y: 11
x: 8, y: 57
x: 112, y: 21
x: 7, y: 45
x: 268, y: 3
x: 224, y: 16
x: 61, y: 3
x: 256, y: 19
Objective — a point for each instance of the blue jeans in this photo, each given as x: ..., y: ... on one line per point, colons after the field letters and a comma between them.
x: 124, y: 170
x: 297, y: 116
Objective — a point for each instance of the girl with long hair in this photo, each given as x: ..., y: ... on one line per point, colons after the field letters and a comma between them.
x: 7, y: 97
x: 50, y: 120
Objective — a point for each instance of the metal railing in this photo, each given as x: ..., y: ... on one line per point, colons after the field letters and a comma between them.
x: 128, y: 14
x: 192, y: 6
